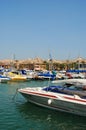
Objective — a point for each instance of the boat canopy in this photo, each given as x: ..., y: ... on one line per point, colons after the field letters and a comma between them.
x: 76, y: 71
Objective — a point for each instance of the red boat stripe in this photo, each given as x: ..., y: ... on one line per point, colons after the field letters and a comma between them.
x: 52, y: 96
x: 75, y: 99
x: 47, y: 95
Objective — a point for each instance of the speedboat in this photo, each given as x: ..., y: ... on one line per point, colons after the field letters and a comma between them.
x: 47, y: 75
x: 69, y: 97
x: 4, y: 79
x: 16, y: 76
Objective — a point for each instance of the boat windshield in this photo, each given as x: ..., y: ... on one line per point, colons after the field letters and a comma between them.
x: 65, y: 87
x: 78, y: 87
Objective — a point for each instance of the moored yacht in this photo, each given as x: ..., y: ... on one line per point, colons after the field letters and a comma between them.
x: 69, y: 97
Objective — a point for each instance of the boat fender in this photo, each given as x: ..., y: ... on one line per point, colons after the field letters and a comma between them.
x: 49, y: 101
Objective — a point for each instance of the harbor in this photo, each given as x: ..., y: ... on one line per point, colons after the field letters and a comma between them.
x: 42, y: 65
x: 17, y: 113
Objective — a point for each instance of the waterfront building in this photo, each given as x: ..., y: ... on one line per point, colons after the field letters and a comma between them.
x: 39, y: 64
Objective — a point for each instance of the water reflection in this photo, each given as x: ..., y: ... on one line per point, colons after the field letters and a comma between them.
x: 46, y: 119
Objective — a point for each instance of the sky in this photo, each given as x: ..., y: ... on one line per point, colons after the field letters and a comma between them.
x: 37, y: 28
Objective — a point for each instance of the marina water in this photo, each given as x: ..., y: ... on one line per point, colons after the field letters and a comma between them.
x: 18, y: 114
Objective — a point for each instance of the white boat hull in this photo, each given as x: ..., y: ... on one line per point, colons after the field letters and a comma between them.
x: 82, y: 81
x: 4, y: 80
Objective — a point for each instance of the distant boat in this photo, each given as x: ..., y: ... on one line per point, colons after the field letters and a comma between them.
x: 47, y: 75
x: 4, y: 79
x: 16, y: 76
x: 28, y: 73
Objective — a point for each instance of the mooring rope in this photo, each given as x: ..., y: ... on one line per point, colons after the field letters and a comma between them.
x: 15, y: 94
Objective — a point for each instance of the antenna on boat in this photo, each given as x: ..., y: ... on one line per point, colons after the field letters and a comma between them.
x: 50, y: 62
x: 50, y: 67
x: 49, y: 82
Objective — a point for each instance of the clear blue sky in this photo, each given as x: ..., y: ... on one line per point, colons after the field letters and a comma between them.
x: 35, y: 28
